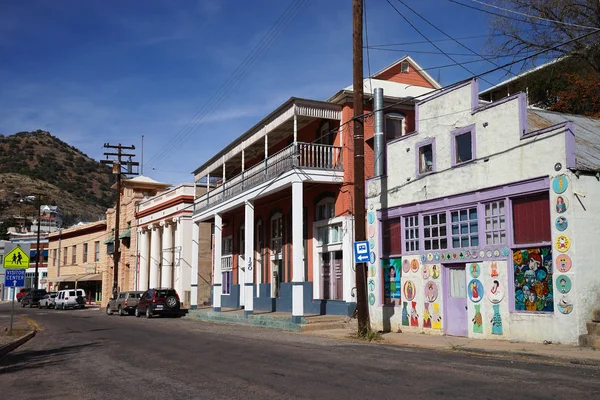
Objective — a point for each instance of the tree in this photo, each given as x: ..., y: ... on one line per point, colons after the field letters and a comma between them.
x: 523, y: 27
x: 576, y: 94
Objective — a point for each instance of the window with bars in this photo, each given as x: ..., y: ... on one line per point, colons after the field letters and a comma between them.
x: 435, y: 231
x: 411, y: 233
x: 465, y: 232
x: 495, y: 223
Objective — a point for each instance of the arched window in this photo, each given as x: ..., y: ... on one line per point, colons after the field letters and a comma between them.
x: 394, y: 126
x: 325, y: 209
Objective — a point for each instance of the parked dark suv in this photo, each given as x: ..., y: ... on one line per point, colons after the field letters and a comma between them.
x: 33, y: 298
x: 158, y: 302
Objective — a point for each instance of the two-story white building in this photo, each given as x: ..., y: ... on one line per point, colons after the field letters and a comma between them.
x: 487, y: 222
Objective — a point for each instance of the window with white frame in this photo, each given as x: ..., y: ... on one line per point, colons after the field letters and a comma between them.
x: 276, y: 233
x: 394, y: 126
x: 435, y: 232
x: 226, y: 282
x: 463, y: 147
x: 465, y: 232
x: 495, y: 223
x: 325, y: 209
x: 329, y: 234
x: 411, y: 233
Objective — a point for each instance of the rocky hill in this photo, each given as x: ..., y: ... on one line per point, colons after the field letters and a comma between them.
x: 37, y: 162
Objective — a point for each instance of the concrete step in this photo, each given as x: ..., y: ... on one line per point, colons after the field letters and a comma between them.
x: 596, y: 316
x: 592, y: 341
x: 319, y: 319
x: 593, y: 328
x: 323, y: 326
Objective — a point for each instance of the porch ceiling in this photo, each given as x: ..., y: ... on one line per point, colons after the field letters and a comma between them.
x: 278, y: 125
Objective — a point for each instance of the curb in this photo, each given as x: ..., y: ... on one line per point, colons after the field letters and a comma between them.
x: 19, y: 342
x: 544, y: 357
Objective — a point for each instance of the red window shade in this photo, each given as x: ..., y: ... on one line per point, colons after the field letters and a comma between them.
x: 531, y: 219
x: 391, y: 237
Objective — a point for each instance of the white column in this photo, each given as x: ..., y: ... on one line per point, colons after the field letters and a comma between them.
x: 166, y: 272
x: 295, y: 128
x: 249, y: 257
x: 297, y: 253
x: 143, y: 265
x: 178, y: 258
x: 217, y: 277
x: 194, y: 277
x: 155, y: 257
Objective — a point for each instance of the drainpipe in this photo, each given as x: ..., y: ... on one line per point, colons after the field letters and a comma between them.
x: 379, y: 139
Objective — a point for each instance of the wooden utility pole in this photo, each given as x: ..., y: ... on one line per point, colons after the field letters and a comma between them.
x: 117, y: 164
x: 359, y: 162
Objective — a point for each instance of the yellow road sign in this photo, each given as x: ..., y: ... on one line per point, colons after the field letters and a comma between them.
x: 16, y: 259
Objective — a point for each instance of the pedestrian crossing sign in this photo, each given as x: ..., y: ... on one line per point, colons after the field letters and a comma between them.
x: 16, y: 259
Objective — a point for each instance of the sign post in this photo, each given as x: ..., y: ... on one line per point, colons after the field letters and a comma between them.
x: 361, y: 252
x: 16, y: 262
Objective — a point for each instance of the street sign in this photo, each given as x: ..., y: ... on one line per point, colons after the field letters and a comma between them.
x: 16, y: 259
x: 361, y: 252
x: 14, y: 278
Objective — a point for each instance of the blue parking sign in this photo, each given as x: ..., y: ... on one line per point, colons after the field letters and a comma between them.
x: 14, y: 277
x: 361, y: 251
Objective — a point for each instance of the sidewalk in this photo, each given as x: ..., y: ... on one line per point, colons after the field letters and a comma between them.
x: 542, y: 352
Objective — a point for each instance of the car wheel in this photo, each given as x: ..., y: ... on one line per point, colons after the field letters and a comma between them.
x: 148, y: 312
x: 108, y: 311
x: 121, y: 313
x: 137, y: 313
x: 40, y: 306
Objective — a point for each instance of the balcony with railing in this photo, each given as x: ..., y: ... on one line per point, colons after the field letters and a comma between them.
x: 308, y: 156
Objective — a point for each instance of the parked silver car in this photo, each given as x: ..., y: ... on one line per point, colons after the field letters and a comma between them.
x: 48, y: 301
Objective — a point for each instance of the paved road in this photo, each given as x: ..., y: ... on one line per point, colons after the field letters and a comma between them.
x: 85, y: 354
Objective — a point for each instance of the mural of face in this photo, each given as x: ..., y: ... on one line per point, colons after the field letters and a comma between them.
x: 518, y: 257
x: 526, y: 291
x: 529, y: 278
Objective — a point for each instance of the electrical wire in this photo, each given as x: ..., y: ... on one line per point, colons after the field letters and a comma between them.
x: 232, y: 81
x: 430, y: 42
x: 532, y: 16
x: 450, y: 37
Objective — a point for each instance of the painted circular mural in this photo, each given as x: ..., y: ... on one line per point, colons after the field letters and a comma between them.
x: 405, y: 266
x: 425, y: 272
x: 409, y: 290
x: 435, y: 271
x: 560, y: 184
x: 414, y: 265
x: 474, y: 270
x: 561, y: 223
x: 562, y: 243
x: 475, y: 290
x: 562, y: 204
x: 431, y: 291
x: 494, y: 291
x: 565, y: 305
x: 563, y: 284
x: 563, y: 263
x: 371, y: 217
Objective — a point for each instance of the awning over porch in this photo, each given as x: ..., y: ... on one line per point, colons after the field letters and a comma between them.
x: 76, y: 278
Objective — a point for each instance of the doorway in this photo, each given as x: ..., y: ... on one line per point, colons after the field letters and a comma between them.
x: 332, y: 275
x: 455, y: 300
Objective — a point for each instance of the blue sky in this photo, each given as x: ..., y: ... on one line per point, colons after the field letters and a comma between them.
x: 92, y: 72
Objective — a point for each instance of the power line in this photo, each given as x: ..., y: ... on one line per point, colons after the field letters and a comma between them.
x: 430, y: 42
x: 532, y: 16
x: 233, y: 80
x: 439, y: 40
x: 450, y: 37
x: 431, y: 52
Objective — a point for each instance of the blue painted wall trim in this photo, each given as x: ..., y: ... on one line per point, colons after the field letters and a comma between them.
x: 231, y: 300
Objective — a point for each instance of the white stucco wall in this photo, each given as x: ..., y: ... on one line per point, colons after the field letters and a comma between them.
x: 502, y: 158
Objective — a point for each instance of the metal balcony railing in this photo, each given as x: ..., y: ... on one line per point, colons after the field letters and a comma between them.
x: 298, y: 155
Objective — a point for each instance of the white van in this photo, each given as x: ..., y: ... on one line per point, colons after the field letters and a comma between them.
x: 70, y: 298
